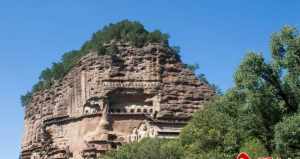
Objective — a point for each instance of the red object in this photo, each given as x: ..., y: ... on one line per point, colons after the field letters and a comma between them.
x: 243, y: 155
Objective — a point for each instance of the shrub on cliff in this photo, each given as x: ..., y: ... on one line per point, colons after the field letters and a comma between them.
x: 126, y: 31
x: 200, y: 76
x: 26, y: 98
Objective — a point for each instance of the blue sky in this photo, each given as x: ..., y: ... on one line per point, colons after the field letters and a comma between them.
x: 214, y: 34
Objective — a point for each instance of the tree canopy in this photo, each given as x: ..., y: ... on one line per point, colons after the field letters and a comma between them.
x: 148, y: 149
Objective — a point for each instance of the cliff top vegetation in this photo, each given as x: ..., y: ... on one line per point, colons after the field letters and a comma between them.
x: 131, y: 32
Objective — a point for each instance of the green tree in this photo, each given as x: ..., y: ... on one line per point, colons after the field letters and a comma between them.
x: 46, y: 75
x: 287, y: 137
x: 176, y: 51
x: 148, y: 149
x: 171, y: 149
x: 25, y: 99
x: 210, y: 131
x: 69, y: 59
x: 254, y: 148
x: 271, y: 89
x: 260, y: 99
x: 58, y: 70
x: 264, y: 94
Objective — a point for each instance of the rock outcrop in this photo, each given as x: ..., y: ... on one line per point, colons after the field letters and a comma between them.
x: 108, y: 100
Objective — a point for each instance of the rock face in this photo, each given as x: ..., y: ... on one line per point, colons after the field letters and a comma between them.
x: 106, y: 101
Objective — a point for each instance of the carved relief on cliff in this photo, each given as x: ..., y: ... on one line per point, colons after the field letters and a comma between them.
x: 106, y: 101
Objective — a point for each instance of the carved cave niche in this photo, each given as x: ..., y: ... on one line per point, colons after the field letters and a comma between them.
x: 130, y: 100
x: 93, y: 105
x: 144, y: 130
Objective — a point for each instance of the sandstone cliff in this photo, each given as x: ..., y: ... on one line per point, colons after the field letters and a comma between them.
x: 108, y: 100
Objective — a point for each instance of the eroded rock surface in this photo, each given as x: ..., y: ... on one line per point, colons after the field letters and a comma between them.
x: 106, y: 101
